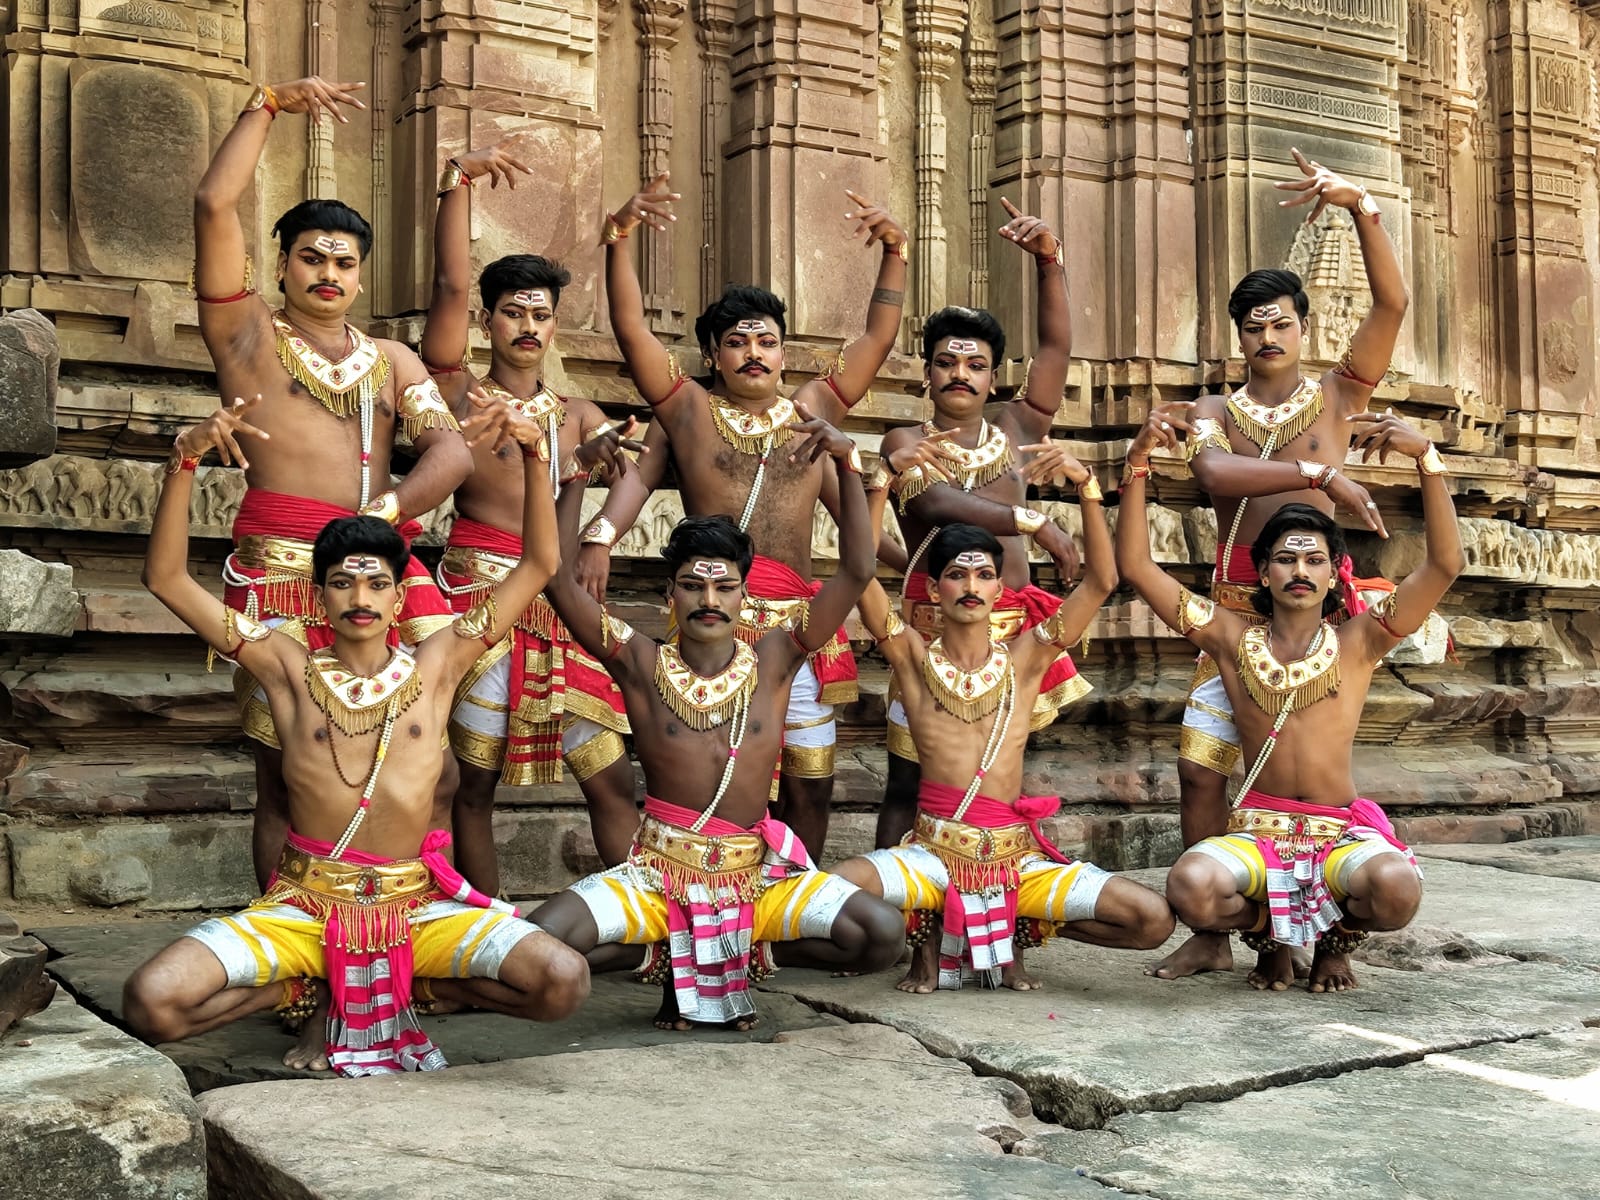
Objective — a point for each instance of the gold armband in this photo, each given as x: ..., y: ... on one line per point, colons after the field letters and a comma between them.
x: 1029, y: 521
x: 614, y: 634
x: 1206, y: 433
x: 1430, y: 463
x: 421, y: 408
x: 1089, y: 489
x: 892, y: 628
x: 881, y: 478
x: 601, y: 532
x: 386, y: 508
x: 477, y: 621
x: 1194, y: 612
x: 1049, y: 631
x: 237, y: 629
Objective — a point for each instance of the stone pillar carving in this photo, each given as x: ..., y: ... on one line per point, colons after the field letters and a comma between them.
x: 379, y: 99
x: 714, y: 29
x: 804, y: 127
x: 891, y: 39
x: 936, y: 28
x: 1542, y: 99
x: 658, y: 21
x: 322, y: 58
x: 981, y: 71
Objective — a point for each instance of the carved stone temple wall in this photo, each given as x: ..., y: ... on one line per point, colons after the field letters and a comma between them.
x: 1148, y: 131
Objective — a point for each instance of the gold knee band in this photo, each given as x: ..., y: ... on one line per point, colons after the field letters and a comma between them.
x: 595, y: 755
x: 808, y: 762
x: 899, y: 742
x: 477, y: 749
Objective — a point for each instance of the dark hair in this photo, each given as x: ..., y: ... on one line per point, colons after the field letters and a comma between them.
x: 344, y: 536
x: 956, y: 321
x: 1263, y: 287
x: 737, y: 303
x: 717, y: 536
x: 333, y: 215
x: 956, y: 539
x: 1288, y: 519
x: 515, y: 272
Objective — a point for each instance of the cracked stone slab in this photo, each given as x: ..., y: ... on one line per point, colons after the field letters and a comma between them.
x: 1548, y: 917
x: 1102, y: 1038
x: 1563, y: 857
x: 1519, y: 1119
x: 95, y: 961
x: 858, y: 1111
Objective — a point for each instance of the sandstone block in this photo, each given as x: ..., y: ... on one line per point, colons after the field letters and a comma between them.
x: 88, y: 1111
x: 190, y: 864
x: 29, y: 362
x: 36, y: 597
x: 111, y: 882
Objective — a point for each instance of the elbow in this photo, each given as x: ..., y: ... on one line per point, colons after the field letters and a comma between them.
x: 1102, y: 580
x: 209, y: 202
x: 1204, y: 474
x: 1453, y: 563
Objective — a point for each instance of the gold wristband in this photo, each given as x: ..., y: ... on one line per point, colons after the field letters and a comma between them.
x: 612, y: 233
x: 1430, y: 463
x: 880, y: 478
x: 1130, y: 472
x: 179, y: 461
x: 386, y: 508
x: 901, y: 250
x: 851, y: 462
x: 601, y: 532
x: 1029, y: 521
x: 452, y: 177
x: 262, y: 97
x: 1089, y: 489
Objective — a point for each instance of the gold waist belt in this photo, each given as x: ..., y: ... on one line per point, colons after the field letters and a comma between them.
x: 374, y: 902
x: 972, y: 842
x: 1294, y: 831
x: 487, y: 569
x: 704, y: 856
x: 1005, y: 624
x: 262, y: 552
x: 1235, y: 597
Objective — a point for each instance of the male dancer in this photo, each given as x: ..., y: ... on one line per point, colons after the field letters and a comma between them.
x: 363, y: 896
x: 957, y: 467
x: 977, y: 852
x: 333, y: 400
x: 710, y: 872
x: 1279, y: 439
x: 534, y: 699
x: 1300, y: 859
x: 722, y: 439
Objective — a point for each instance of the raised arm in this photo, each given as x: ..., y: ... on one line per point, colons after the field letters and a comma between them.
x: 228, y: 326
x: 843, y: 384
x: 857, y: 539
x: 1367, y: 357
x: 271, y: 659
x: 1222, y: 472
x: 1036, y: 407
x: 424, y: 418
x: 591, y: 568
x: 1099, y: 560
x: 1407, y: 607
x: 444, y: 336
x: 459, y: 644
x: 654, y: 371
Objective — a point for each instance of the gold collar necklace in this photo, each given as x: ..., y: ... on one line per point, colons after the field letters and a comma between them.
x: 1299, y: 683
x: 967, y: 695
x: 343, y: 386
x: 1277, y: 424
x: 358, y: 704
x: 705, y: 701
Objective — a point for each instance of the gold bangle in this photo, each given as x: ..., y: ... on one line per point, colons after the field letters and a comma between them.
x: 601, y: 532
x: 880, y: 478
x: 612, y: 233
x: 262, y: 97
x: 179, y: 461
x: 386, y: 508
x: 851, y: 462
x: 1029, y: 521
x: 1430, y: 463
x: 1044, y: 260
x: 901, y: 250
x: 452, y: 177
x: 1130, y: 472
x: 1089, y: 489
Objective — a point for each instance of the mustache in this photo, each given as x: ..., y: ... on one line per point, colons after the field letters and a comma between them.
x: 970, y: 596
x: 758, y: 366
x: 709, y: 612
x: 958, y: 386
x: 527, y: 339
x: 1294, y: 583
x: 358, y: 612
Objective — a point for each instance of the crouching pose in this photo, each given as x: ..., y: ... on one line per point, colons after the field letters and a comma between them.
x: 363, y: 897
x: 710, y: 873
x: 976, y: 850
x: 1304, y: 860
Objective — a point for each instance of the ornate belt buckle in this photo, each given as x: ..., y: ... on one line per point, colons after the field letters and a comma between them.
x: 713, y: 854
x: 369, y: 887
x: 985, y: 846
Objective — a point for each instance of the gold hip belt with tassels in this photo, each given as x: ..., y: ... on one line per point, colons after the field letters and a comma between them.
x: 1292, y: 832
x: 374, y: 901
x: 261, y: 552
x: 488, y: 568
x: 732, y: 862
x: 978, y: 859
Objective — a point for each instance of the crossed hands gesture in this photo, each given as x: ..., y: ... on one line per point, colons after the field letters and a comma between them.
x: 498, y: 420
x: 604, y: 446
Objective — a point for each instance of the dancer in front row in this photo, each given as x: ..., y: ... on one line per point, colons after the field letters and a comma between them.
x: 1303, y: 860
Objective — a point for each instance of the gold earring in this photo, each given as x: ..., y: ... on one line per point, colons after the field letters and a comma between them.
x: 705, y: 360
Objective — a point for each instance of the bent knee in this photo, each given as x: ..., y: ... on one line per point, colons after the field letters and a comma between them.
x: 150, y: 1007
x: 862, y: 873
x: 1195, y: 888
x: 1394, y: 892
x: 564, y: 987
x: 1154, y: 922
x: 877, y: 934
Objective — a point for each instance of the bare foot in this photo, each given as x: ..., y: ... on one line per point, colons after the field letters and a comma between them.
x: 1331, y: 972
x: 1274, y: 970
x: 310, y: 1050
x: 667, y: 1016
x: 1016, y: 976
x: 1302, y: 961
x: 1202, y: 952
x: 923, y: 977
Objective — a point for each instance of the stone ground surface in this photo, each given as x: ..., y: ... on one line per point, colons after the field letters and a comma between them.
x: 1463, y: 1064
